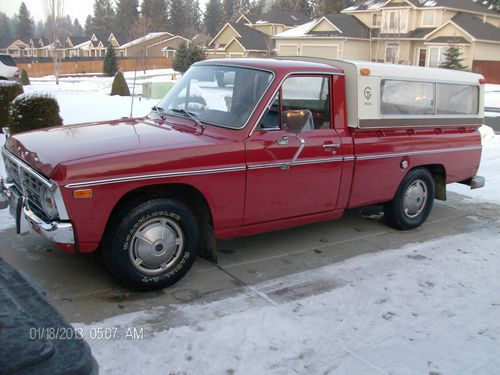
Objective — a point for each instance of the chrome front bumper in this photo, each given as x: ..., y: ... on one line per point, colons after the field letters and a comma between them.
x: 60, y: 232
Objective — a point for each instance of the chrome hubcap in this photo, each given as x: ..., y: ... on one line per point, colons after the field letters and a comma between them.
x: 415, y: 199
x: 156, y: 245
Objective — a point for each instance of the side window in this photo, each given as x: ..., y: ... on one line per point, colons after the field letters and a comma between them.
x: 310, y: 95
x: 272, y: 119
x: 407, y: 98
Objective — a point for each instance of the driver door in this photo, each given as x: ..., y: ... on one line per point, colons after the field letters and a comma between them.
x: 294, y: 155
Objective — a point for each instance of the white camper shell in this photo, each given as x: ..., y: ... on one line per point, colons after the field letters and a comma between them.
x: 402, y: 96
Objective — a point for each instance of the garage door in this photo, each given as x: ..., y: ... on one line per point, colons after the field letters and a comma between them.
x: 329, y: 52
x: 288, y: 50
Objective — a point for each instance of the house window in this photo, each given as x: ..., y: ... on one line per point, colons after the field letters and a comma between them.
x: 428, y: 18
x: 377, y: 20
x: 395, y: 21
x: 437, y: 56
x: 392, y: 53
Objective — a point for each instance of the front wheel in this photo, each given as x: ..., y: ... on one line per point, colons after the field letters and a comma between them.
x: 413, y: 202
x: 151, y: 245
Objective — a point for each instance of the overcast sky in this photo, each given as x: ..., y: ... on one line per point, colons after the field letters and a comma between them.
x: 75, y: 8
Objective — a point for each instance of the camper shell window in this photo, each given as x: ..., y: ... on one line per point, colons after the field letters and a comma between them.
x: 412, y: 98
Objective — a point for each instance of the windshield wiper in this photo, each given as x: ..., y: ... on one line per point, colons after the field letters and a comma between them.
x: 188, y: 114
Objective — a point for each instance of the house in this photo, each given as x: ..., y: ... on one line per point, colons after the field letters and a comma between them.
x: 334, y: 36
x: 414, y: 32
x: 251, y: 37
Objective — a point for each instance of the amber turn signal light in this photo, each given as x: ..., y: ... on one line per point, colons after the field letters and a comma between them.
x: 82, y: 194
x: 365, y: 71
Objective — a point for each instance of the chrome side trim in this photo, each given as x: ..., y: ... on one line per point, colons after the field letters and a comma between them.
x: 154, y: 176
x: 412, y: 153
x: 349, y: 158
x: 298, y: 162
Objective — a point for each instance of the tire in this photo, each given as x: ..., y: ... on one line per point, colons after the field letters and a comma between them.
x: 150, y: 245
x: 413, y: 201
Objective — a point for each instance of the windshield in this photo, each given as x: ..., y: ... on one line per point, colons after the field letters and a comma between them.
x: 219, y: 95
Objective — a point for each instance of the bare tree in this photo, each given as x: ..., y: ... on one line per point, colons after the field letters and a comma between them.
x: 141, y: 27
x: 54, y: 10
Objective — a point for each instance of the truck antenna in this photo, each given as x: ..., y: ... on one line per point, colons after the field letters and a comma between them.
x: 133, y: 88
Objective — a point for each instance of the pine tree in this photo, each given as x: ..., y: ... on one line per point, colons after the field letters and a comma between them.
x: 77, y: 28
x: 126, y: 15
x: 104, y: 17
x: 325, y: 7
x: 187, y: 56
x: 25, y: 24
x: 110, y: 65
x: 193, y: 18
x: 229, y: 9
x: 177, y: 17
x: 156, y: 12
x: 255, y: 8
x: 25, y: 79
x: 88, y: 25
x: 119, y: 86
x: 5, y: 27
x: 301, y: 6
x: 453, y: 59
x: 213, y: 19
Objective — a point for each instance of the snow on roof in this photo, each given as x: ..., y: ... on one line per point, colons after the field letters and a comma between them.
x: 299, y: 30
x: 427, y: 3
x: 370, y: 4
x: 144, y: 39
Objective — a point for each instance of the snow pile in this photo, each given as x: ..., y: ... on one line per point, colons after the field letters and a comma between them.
x: 425, y: 308
x: 4, y: 83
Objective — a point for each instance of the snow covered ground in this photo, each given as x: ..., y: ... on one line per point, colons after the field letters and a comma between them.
x: 426, y: 308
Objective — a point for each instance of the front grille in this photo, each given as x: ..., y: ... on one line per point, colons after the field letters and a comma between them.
x: 28, y: 184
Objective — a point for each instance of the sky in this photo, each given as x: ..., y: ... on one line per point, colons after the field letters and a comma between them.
x: 75, y: 8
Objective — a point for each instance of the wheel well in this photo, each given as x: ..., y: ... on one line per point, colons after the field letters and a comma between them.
x: 187, y: 194
x: 439, y: 174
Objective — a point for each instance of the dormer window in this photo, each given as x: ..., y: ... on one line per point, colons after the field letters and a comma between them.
x: 377, y: 20
x: 428, y: 18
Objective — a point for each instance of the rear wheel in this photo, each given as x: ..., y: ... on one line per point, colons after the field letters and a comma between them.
x: 413, y: 202
x: 151, y: 245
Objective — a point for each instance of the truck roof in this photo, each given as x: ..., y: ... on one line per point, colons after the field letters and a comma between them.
x: 276, y: 64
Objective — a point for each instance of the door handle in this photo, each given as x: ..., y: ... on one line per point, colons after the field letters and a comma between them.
x: 283, y: 141
x: 331, y: 146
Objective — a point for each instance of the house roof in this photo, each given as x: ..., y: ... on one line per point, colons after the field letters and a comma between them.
x: 475, y: 26
x: 279, y: 16
x: 348, y: 26
x: 418, y: 33
x: 463, y: 5
x: 146, y: 38
x: 449, y: 40
x: 78, y: 39
x: 251, y: 39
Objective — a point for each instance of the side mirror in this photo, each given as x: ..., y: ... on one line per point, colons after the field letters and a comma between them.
x: 298, y: 121
x: 5, y: 130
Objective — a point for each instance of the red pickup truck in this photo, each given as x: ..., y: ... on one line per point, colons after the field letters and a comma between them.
x: 244, y: 146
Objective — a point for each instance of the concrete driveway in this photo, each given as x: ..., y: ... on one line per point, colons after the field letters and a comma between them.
x: 79, y: 287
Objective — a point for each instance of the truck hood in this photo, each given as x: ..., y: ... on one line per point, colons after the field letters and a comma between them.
x: 47, y: 149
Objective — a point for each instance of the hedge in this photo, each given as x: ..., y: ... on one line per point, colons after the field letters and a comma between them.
x: 34, y: 111
x: 8, y: 92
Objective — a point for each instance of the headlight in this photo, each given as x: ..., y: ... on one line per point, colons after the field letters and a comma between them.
x: 49, y: 204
